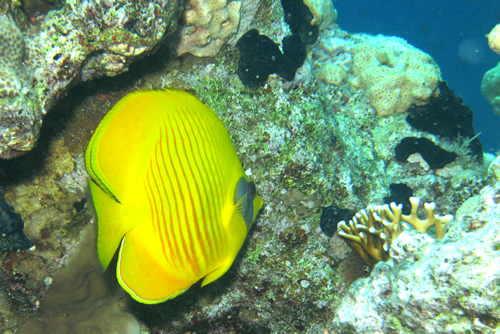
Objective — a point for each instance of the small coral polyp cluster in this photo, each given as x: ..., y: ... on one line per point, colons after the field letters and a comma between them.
x: 370, y: 232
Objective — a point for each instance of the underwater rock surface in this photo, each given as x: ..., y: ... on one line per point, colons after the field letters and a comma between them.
x: 79, y: 41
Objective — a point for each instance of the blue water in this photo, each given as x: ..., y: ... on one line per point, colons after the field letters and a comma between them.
x: 452, y: 32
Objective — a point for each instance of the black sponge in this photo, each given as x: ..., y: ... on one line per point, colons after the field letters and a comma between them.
x: 11, y: 228
x: 434, y: 155
x: 446, y: 116
x: 299, y: 17
x: 260, y: 56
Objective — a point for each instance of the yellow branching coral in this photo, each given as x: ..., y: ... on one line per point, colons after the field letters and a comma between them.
x: 370, y: 232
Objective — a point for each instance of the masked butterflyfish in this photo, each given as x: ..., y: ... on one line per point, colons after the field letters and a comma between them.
x: 169, y: 193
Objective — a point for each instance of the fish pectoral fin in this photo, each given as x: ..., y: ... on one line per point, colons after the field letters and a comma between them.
x: 216, y: 274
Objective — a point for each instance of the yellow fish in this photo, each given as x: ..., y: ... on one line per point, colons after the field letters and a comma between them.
x: 169, y: 192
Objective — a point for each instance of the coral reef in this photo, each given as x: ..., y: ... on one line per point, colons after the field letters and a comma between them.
x: 79, y: 41
x: 307, y: 144
x: 490, y: 87
x: 430, y: 286
x: 393, y: 74
x: 208, y: 24
x: 371, y: 231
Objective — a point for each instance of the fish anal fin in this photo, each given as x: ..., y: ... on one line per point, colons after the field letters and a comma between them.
x: 145, y: 274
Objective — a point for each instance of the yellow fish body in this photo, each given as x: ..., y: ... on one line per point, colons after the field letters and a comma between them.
x: 169, y: 192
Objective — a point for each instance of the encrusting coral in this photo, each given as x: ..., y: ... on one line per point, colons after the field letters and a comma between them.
x: 370, y: 232
x: 12, y: 73
x: 490, y: 88
x: 494, y: 39
x: 208, y: 26
x: 324, y: 13
x: 393, y: 73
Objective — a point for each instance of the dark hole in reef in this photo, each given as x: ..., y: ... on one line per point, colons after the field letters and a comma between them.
x: 80, y: 205
x: 331, y: 216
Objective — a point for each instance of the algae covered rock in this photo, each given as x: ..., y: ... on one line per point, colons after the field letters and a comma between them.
x: 79, y: 41
x: 19, y: 111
